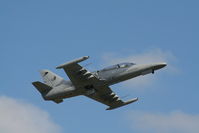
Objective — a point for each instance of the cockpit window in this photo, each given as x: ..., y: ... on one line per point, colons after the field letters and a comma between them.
x: 121, y: 65
x: 110, y: 67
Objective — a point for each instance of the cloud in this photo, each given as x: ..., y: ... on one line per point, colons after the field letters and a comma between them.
x: 19, y: 117
x: 150, y: 56
x: 174, y: 122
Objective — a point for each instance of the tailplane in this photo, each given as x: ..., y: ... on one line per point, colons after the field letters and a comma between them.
x: 42, y: 88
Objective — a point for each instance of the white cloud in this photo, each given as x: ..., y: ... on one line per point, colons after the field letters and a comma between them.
x: 151, y: 56
x: 174, y: 122
x: 19, y: 117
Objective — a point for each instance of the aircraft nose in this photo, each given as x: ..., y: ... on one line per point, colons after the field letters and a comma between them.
x: 159, y: 65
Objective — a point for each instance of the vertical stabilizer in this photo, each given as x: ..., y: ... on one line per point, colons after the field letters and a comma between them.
x: 50, y: 78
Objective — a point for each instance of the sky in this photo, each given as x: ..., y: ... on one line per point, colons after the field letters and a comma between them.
x: 43, y: 34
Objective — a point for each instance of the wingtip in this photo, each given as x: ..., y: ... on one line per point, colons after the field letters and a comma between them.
x: 72, y: 62
x: 86, y: 57
x: 131, y: 100
x: 125, y: 103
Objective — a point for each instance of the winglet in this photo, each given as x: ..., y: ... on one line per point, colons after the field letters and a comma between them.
x: 72, y: 62
x: 125, y: 103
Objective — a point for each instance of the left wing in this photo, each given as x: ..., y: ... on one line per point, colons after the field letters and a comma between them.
x: 106, y: 96
x: 95, y: 88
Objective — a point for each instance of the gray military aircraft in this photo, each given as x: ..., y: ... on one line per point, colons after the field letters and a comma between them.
x: 94, y: 85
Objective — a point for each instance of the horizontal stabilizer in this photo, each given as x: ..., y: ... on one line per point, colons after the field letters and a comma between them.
x: 72, y: 62
x: 125, y: 103
x: 41, y: 87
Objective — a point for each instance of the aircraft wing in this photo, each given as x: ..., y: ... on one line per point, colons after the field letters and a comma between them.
x: 106, y: 96
x: 78, y: 75
x: 97, y: 89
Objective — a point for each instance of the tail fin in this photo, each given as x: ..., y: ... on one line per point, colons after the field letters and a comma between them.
x: 50, y: 78
x: 41, y: 87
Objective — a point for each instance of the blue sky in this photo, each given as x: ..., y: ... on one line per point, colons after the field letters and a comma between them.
x: 43, y: 34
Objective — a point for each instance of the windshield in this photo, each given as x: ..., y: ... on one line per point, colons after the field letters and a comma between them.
x: 122, y: 65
